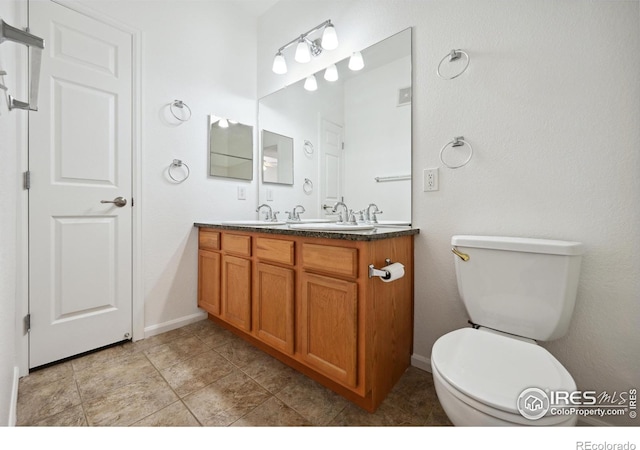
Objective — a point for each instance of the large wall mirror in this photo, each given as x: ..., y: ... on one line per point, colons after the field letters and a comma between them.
x: 351, y: 136
x: 230, y: 149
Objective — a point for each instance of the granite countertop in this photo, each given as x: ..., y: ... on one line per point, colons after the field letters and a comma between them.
x: 377, y: 233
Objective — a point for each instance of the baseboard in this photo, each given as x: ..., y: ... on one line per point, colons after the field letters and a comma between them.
x: 173, y: 324
x: 421, y: 362
x: 13, y: 407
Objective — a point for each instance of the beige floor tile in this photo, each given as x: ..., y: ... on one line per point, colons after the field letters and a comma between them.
x: 104, y: 376
x: 386, y: 415
x: 40, y: 401
x: 214, y: 336
x: 312, y: 401
x: 99, y: 356
x: 437, y: 417
x: 131, y: 403
x: 70, y: 417
x: 414, y: 393
x: 225, y: 401
x: 270, y: 373
x: 46, y: 375
x: 180, y: 349
x: 272, y: 413
x: 192, y: 374
x: 174, y: 415
x: 239, y: 352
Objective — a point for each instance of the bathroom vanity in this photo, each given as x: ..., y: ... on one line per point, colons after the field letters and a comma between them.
x: 307, y: 298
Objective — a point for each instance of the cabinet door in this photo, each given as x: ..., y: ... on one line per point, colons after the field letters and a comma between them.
x: 236, y: 291
x: 273, y: 306
x: 209, y: 281
x: 328, y: 326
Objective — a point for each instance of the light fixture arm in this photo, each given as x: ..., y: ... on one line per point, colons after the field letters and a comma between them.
x: 303, y: 36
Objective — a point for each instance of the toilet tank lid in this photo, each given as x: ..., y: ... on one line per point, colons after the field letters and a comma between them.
x: 519, y: 244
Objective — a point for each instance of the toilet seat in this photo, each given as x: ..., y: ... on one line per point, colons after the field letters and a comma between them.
x: 489, y: 371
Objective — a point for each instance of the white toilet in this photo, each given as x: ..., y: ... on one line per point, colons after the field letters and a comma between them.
x: 516, y: 291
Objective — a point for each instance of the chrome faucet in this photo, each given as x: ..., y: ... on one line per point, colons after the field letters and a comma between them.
x: 371, y: 216
x: 268, y: 215
x: 295, y: 215
x: 341, y: 218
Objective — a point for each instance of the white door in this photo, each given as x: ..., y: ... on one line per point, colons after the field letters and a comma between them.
x: 80, y: 153
x: 331, y: 166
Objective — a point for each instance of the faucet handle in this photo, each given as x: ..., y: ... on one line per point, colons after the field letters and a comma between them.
x: 274, y: 216
x: 352, y: 218
x: 374, y: 219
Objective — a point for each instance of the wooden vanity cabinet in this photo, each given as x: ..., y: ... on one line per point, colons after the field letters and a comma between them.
x: 310, y: 303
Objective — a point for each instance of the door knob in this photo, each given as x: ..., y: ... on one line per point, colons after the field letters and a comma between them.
x: 118, y: 201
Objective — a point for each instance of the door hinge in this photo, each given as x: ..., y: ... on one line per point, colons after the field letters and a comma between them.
x: 132, y: 202
x: 27, y: 323
x: 343, y: 146
x: 27, y: 180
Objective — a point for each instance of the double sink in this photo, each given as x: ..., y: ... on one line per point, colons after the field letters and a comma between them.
x: 314, y: 224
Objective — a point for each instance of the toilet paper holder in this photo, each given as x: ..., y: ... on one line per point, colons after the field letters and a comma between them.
x: 384, y: 274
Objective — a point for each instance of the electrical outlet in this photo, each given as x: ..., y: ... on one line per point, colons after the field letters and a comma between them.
x: 430, y: 182
x: 242, y: 193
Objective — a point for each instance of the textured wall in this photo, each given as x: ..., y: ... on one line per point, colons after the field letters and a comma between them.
x: 554, y: 121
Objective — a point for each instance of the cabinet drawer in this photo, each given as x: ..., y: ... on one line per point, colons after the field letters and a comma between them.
x: 209, y: 240
x: 236, y: 244
x: 328, y: 259
x: 275, y: 250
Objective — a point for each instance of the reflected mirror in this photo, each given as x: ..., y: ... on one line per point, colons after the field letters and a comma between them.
x: 230, y: 149
x: 351, y: 136
x: 277, y: 158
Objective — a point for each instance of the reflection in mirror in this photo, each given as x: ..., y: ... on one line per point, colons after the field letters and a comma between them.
x: 230, y: 149
x: 277, y: 158
x: 360, y: 128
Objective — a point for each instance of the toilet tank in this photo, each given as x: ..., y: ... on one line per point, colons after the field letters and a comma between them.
x: 521, y: 286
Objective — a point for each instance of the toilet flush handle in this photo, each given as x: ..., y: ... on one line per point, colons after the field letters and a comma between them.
x: 459, y: 254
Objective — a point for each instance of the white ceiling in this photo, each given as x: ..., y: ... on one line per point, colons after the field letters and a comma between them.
x: 256, y: 8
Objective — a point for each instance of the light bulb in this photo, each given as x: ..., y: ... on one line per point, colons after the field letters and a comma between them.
x: 329, y: 38
x: 331, y: 73
x: 303, y: 55
x: 279, y: 64
x: 310, y: 84
x: 223, y: 123
x: 356, y: 62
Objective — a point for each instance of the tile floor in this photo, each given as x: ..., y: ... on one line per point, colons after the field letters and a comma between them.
x: 203, y: 375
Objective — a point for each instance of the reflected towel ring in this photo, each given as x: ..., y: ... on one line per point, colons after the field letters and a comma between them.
x: 456, y: 142
x: 308, y: 148
x: 178, y: 163
x: 307, y: 187
x: 182, y: 105
x: 453, y: 56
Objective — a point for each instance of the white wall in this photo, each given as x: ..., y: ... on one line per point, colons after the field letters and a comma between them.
x: 553, y: 115
x: 12, y: 60
x: 203, y: 53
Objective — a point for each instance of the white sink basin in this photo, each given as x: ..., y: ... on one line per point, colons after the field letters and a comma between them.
x: 330, y: 227
x: 305, y: 221
x: 251, y: 223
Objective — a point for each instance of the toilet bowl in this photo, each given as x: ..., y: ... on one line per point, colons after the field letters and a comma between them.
x: 517, y: 291
x: 479, y: 375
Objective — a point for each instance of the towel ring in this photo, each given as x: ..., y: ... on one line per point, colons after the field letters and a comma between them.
x: 182, y: 105
x: 453, y: 56
x: 307, y: 187
x: 456, y: 142
x: 178, y: 163
x: 308, y: 148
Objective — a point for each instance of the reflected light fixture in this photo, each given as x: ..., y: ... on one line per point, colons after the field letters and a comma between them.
x: 356, y: 62
x: 311, y: 84
x: 223, y: 123
x: 331, y: 73
x: 306, y: 48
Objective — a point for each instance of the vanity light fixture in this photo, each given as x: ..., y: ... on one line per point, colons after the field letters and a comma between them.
x: 356, y: 62
x: 311, y: 84
x: 306, y: 48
